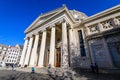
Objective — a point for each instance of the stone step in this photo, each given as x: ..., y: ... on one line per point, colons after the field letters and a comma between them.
x: 57, y: 71
x: 44, y: 70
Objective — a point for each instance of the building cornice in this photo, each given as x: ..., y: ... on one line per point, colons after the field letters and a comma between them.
x: 44, y: 15
x: 103, y: 34
x: 101, y: 14
x: 64, y: 9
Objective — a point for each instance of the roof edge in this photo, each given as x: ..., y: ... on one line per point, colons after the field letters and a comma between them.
x: 103, y: 13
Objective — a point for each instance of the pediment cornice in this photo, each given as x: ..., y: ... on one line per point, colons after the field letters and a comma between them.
x: 50, y: 23
x: 55, y: 13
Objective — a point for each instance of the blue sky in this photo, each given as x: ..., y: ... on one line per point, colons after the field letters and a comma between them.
x: 17, y: 15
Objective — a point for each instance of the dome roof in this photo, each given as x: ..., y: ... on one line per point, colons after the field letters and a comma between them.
x: 79, y: 16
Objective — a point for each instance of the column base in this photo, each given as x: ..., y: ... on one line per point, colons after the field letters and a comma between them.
x: 40, y: 66
x: 52, y: 66
x: 31, y: 66
x: 22, y: 66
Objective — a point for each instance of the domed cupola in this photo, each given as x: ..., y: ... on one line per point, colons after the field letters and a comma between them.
x: 78, y: 16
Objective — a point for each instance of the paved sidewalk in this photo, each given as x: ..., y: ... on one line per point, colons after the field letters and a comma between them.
x: 83, y: 75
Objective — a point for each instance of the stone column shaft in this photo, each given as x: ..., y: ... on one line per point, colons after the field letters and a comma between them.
x: 33, y: 59
x: 52, y: 48
x: 28, y: 51
x: 72, y: 45
x: 23, y: 53
x: 65, y: 63
x: 42, y: 50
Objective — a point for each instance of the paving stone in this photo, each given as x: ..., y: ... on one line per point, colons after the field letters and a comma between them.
x: 84, y: 75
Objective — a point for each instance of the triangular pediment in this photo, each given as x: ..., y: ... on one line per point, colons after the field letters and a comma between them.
x: 44, y: 17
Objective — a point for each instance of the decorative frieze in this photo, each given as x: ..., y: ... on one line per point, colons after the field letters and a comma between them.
x: 107, y: 24
x: 103, y: 26
x: 116, y: 21
x: 94, y: 28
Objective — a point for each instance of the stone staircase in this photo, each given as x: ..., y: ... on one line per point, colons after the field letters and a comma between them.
x: 44, y: 70
x: 53, y: 71
x: 60, y: 71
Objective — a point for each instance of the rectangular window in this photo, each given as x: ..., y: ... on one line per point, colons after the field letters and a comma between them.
x: 81, y: 42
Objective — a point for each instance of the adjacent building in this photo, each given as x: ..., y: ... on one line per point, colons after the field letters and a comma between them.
x: 69, y: 38
x: 3, y: 51
x: 13, y: 55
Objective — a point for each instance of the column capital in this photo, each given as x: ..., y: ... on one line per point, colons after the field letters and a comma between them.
x: 43, y: 30
x: 53, y: 25
x: 62, y: 21
x: 70, y: 27
x: 26, y: 38
x: 36, y: 33
x: 31, y: 36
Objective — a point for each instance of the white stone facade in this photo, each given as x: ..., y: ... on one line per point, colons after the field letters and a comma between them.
x: 3, y: 51
x: 13, y: 55
x: 68, y: 38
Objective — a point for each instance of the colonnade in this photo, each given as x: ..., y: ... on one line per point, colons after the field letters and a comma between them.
x: 29, y: 55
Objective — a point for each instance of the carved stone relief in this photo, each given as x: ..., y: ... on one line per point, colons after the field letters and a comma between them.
x: 107, y: 24
x: 93, y: 28
x: 104, y: 25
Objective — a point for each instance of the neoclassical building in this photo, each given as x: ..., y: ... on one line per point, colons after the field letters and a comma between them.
x: 69, y: 38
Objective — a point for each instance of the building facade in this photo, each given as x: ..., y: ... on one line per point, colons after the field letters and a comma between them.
x: 13, y: 55
x: 3, y: 51
x: 69, y: 38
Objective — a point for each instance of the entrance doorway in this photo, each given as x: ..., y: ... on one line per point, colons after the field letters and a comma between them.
x: 58, y: 57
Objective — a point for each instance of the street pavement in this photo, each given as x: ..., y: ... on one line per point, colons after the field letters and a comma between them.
x: 83, y: 75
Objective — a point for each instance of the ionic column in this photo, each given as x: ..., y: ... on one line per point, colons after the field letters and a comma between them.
x: 72, y: 45
x: 33, y: 59
x: 52, y: 47
x: 24, y: 52
x: 65, y: 63
x: 29, y: 51
x: 42, y: 50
